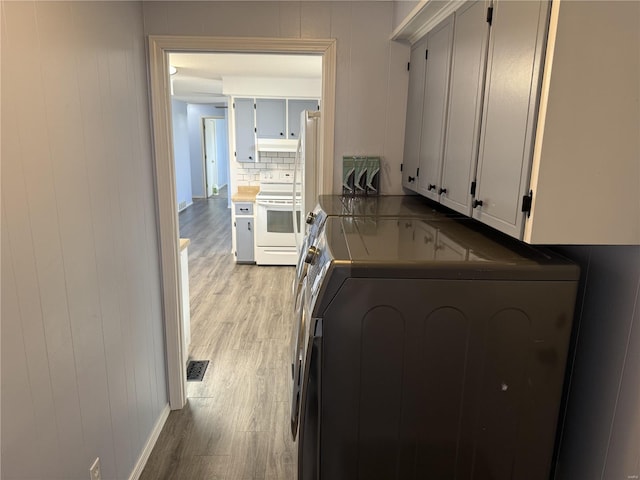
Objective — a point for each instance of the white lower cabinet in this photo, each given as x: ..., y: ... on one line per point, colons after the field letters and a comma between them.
x: 243, y: 232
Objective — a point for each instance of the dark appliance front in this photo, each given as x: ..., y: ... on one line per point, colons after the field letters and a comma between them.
x: 430, y: 351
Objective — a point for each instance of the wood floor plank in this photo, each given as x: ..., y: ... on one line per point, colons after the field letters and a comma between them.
x: 281, y: 456
x: 236, y: 422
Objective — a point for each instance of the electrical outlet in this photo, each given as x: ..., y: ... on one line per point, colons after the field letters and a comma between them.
x: 94, y: 470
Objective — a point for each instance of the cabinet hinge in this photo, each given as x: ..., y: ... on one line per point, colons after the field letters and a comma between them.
x: 254, y: 106
x: 234, y: 104
x: 490, y: 15
x: 255, y: 130
x: 426, y: 54
x: 418, y: 172
x: 527, y: 200
x: 235, y: 154
x: 234, y: 224
x: 401, y: 166
x: 235, y: 253
x: 408, y: 66
x: 473, y: 188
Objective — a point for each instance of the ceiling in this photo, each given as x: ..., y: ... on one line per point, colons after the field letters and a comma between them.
x: 200, y: 76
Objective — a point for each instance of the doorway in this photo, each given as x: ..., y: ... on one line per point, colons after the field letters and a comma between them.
x: 159, y: 49
x: 215, y: 158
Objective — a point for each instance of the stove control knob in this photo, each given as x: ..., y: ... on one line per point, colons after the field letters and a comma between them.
x: 311, y: 217
x: 312, y: 254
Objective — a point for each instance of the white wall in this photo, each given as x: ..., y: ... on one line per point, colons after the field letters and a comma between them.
x: 181, y: 154
x: 272, y: 87
x: 371, y: 76
x: 83, y: 371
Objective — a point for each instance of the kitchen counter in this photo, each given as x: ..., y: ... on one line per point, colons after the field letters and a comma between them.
x: 184, y: 243
x: 245, y: 194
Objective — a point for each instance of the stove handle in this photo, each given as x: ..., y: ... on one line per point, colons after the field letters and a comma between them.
x: 276, y: 203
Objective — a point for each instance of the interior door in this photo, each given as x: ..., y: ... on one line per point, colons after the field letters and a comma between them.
x: 210, y: 157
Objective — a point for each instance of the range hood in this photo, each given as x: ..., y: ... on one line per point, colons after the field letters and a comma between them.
x: 277, y: 145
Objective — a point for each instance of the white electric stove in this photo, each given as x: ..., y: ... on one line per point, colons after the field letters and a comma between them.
x: 275, y: 240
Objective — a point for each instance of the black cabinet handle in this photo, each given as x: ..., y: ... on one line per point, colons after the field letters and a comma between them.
x: 244, y: 209
x: 411, y: 179
x: 250, y: 158
x: 477, y: 203
x: 293, y: 134
x: 281, y: 134
x: 442, y: 190
x: 431, y: 187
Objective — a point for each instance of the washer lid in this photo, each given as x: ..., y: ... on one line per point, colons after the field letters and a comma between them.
x: 440, y: 247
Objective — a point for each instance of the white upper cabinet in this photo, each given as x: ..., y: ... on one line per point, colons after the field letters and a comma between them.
x: 465, y: 106
x: 434, y: 112
x: 586, y: 162
x: 413, y: 126
x: 516, y: 42
x: 244, y: 130
x: 551, y: 117
x: 271, y: 118
x: 294, y: 110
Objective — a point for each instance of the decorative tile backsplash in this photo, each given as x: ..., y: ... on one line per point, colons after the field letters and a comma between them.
x: 249, y: 173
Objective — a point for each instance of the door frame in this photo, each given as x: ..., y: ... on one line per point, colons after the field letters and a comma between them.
x: 159, y: 47
x: 205, y: 170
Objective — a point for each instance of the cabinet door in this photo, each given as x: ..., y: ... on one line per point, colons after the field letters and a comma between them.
x: 434, y: 116
x: 465, y: 105
x: 244, y: 130
x: 294, y: 109
x: 413, y: 126
x: 270, y: 118
x: 516, y: 41
x: 244, y: 239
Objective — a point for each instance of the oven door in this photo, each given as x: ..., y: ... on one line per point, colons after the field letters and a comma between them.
x: 274, y: 223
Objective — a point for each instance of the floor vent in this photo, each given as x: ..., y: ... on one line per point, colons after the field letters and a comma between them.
x: 196, y: 369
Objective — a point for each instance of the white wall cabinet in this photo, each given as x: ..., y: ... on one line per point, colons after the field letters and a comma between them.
x: 465, y: 106
x: 294, y: 108
x: 443, y: 112
x: 585, y: 176
x: 244, y: 130
x: 559, y: 116
x: 434, y: 111
x: 267, y: 124
x: 413, y: 128
x: 516, y: 43
x: 271, y: 118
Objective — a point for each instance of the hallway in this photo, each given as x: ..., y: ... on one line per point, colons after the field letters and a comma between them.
x: 235, y: 425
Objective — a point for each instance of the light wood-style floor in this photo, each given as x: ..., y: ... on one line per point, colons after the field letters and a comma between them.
x: 235, y: 425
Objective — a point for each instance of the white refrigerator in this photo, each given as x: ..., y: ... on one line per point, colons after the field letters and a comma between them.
x: 306, y: 172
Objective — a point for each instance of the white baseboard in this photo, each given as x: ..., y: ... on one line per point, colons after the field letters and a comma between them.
x: 151, y: 442
x: 185, y: 207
